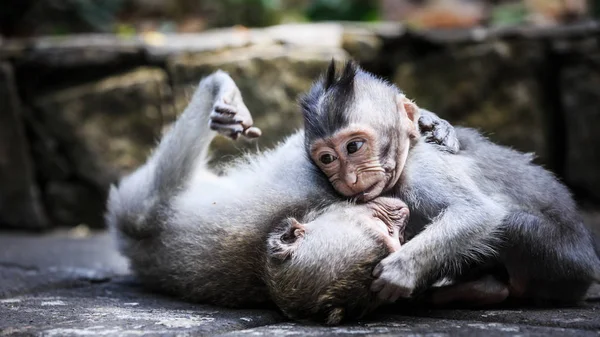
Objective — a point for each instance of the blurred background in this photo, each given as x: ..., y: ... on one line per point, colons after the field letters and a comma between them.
x: 87, y: 87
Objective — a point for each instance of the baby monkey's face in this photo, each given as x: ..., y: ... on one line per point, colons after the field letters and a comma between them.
x: 350, y: 159
x: 365, y: 158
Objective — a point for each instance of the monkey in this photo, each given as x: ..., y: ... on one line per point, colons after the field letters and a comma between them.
x: 217, y: 239
x: 321, y: 269
x: 485, y: 207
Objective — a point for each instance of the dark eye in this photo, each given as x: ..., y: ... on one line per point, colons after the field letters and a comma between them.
x: 327, y: 158
x: 354, y: 146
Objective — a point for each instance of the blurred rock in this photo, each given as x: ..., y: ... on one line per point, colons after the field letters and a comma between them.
x: 75, y: 203
x: 270, y: 78
x: 319, y: 35
x: 580, y: 83
x: 19, y: 195
x: 103, y: 130
x: 552, y: 12
x: 437, y: 13
x: 77, y: 50
x: 92, y: 114
x: 363, y: 44
x: 489, y: 86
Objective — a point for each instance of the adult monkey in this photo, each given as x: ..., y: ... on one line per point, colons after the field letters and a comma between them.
x: 487, y: 206
x: 192, y: 233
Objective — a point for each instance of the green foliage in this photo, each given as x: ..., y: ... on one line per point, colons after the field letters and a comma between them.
x: 346, y: 10
x: 509, y: 14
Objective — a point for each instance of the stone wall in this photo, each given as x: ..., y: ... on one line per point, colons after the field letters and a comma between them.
x: 78, y: 112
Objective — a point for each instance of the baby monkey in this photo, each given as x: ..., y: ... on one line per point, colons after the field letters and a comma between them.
x: 485, y: 208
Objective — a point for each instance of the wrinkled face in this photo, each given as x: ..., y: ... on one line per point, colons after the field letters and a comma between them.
x: 365, y: 159
x: 350, y: 159
x: 313, y: 267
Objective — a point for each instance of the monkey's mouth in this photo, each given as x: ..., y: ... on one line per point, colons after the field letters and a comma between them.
x: 367, y: 194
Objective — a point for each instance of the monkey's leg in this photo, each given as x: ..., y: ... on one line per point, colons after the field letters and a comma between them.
x: 547, y: 261
x: 217, y: 104
x: 463, y: 232
x: 486, y: 290
x: 134, y: 205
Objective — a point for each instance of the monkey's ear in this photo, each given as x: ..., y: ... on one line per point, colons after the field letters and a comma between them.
x: 409, y: 109
x: 283, y: 243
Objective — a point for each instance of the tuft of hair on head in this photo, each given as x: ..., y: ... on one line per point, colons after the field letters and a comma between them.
x: 324, y: 106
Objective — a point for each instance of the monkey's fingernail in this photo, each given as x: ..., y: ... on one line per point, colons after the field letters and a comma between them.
x: 252, y: 132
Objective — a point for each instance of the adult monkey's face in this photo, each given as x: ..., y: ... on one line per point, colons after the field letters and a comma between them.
x: 320, y: 267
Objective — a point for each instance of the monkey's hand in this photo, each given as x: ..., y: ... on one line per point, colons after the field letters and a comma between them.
x: 438, y: 131
x: 396, y: 276
x: 230, y: 116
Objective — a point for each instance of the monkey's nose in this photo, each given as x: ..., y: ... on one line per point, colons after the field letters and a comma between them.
x: 351, y: 178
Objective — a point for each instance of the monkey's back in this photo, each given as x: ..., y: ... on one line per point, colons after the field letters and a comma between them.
x: 504, y: 171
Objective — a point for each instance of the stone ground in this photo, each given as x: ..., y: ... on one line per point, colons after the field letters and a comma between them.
x: 73, y: 283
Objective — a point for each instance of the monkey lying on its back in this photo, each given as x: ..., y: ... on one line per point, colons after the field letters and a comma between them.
x: 487, y: 206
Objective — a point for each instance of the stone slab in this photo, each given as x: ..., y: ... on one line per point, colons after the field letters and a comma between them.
x: 62, y: 259
x: 411, y: 326
x: 74, y: 283
x: 585, y: 316
x: 119, y: 308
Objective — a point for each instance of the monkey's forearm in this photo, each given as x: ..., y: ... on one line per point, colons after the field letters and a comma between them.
x: 462, y: 233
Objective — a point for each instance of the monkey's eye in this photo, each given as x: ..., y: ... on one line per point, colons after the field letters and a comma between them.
x: 354, y: 146
x: 327, y: 158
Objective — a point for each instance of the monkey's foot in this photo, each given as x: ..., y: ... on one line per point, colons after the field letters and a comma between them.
x: 230, y: 116
x: 439, y: 131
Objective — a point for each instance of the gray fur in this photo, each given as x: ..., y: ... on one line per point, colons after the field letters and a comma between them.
x: 490, y: 205
x: 201, y: 236
x: 484, y: 205
x: 191, y: 233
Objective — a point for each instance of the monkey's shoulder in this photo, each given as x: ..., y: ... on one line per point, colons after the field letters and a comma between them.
x: 427, y: 162
x: 433, y: 179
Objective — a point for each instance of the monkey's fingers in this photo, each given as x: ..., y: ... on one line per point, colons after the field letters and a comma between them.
x: 230, y: 130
